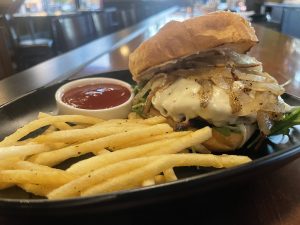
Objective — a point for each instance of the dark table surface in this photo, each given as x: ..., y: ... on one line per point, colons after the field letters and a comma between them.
x: 270, y: 198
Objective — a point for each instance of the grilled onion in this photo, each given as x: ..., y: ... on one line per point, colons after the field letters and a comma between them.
x: 242, y: 60
x: 262, y: 86
x: 249, y: 77
x: 222, y: 82
x: 205, y: 92
x: 264, y: 122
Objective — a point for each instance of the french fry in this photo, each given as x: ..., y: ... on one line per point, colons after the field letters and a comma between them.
x: 154, y: 120
x: 36, y: 124
x: 120, y: 122
x: 134, y: 115
x: 8, y: 164
x: 75, y: 187
x: 36, y: 189
x: 170, y: 175
x: 36, y: 177
x: 79, y: 126
x: 50, y: 129
x: 159, y: 179
x: 58, y: 125
x: 133, y: 178
x: 150, y: 121
x: 121, y: 175
x: 21, y: 151
x: 129, y: 153
x: 96, y: 162
x: 102, y: 152
x: 155, y: 138
x: 148, y: 182
x: 26, y: 165
x: 184, y: 142
x: 79, y: 135
x: 169, y: 146
x: 112, y: 141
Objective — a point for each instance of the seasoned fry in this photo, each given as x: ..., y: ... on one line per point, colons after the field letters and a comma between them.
x: 112, y: 141
x: 148, y: 182
x: 93, y: 163
x: 75, y: 187
x: 154, y: 120
x: 190, y: 139
x: 119, y: 122
x: 155, y: 138
x: 8, y: 164
x: 96, y: 162
x: 21, y: 151
x: 102, y: 152
x: 170, y: 175
x: 134, y: 115
x: 159, y: 179
x: 36, y: 124
x: 50, y: 129
x: 136, y: 171
x: 36, y: 177
x: 37, y: 189
x: 57, y: 125
x: 129, y: 153
x: 133, y: 178
x: 26, y: 165
x: 78, y: 135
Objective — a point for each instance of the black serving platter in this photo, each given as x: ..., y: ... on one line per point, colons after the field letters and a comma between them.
x: 272, y: 154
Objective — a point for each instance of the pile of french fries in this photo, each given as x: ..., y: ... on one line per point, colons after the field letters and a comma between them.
x: 126, y: 153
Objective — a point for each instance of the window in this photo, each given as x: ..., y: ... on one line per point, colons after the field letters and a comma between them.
x: 32, y: 6
x: 51, y: 6
x: 91, y: 4
x: 61, y: 5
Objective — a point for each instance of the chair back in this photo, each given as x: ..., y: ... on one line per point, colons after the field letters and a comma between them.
x: 99, y: 21
x: 112, y: 17
x: 128, y: 17
x: 6, y: 68
x: 73, y: 31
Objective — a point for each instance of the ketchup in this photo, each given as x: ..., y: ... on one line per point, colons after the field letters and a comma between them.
x: 96, y: 96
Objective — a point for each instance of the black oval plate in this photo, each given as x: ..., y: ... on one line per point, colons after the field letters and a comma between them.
x: 13, y: 115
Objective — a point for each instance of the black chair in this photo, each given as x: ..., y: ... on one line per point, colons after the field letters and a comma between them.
x: 73, y: 31
x: 99, y: 21
x: 112, y: 19
x: 127, y: 17
x: 30, y: 49
x: 6, y: 66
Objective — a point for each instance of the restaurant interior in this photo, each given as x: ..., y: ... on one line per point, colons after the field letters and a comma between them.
x: 33, y: 31
x: 47, y: 43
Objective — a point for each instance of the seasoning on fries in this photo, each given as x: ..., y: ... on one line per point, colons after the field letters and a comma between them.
x: 127, y: 153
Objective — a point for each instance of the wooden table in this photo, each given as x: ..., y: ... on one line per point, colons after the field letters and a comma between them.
x: 271, y: 198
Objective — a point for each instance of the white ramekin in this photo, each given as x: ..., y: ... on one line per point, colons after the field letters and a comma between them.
x: 120, y: 111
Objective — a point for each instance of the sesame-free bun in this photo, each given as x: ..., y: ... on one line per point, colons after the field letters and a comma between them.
x: 196, y: 35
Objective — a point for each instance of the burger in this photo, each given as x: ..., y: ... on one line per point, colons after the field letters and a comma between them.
x: 197, y: 73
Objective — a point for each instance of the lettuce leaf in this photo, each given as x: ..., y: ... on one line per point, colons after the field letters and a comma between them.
x: 289, y: 120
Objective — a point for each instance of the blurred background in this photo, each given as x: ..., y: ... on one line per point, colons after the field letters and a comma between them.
x: 33, y: 31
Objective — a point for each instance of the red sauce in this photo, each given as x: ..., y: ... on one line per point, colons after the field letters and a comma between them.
x: 96, y: 96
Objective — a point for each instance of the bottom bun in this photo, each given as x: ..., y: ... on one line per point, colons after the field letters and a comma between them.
x: 224, y: 143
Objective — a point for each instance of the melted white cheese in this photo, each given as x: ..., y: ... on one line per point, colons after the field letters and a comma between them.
x: 181, y: 101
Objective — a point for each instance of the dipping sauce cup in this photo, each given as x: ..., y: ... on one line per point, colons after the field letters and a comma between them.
x: 105, y: 98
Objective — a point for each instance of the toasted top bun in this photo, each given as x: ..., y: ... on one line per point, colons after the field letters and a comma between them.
x: 196, y: 35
